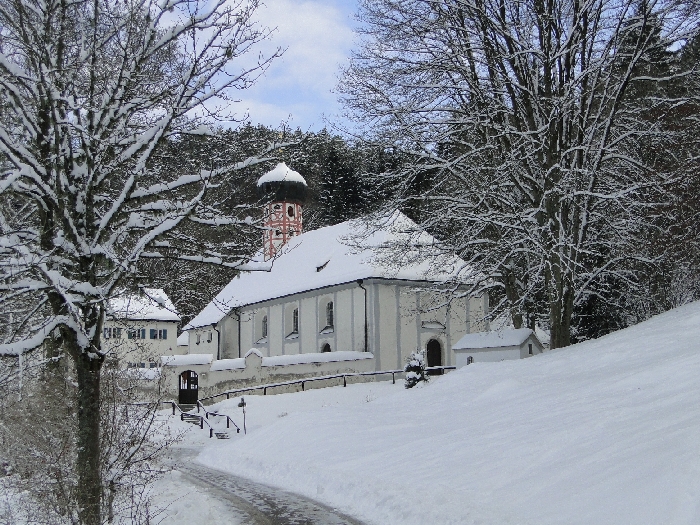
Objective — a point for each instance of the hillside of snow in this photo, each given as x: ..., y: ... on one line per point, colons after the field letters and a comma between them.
x: 603, y: 432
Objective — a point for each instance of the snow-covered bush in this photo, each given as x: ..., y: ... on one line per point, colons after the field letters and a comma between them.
x: 415, y: 370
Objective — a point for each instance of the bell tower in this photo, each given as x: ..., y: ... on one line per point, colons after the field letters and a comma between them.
x: 284, y: 193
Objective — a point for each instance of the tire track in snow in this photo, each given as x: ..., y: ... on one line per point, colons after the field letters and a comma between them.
x: 260, y: 504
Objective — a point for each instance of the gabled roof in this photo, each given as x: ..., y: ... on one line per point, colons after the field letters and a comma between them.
x: 151, y: 305
x: 337, y: 255
x: 493, y: 339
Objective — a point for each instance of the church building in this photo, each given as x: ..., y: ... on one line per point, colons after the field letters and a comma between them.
x: 334, y: 290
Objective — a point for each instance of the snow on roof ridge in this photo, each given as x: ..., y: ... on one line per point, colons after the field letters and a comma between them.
x: 494, y: 338
x: 148, y: 304
x: 280, y: 173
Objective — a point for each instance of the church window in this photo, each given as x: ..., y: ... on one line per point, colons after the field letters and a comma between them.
x: 290, y: 211
x: 209, y: 337
x: 326, y: 348
x: 529, y: 346
x: 295, y: 321
x: 329, y: 314
x: 470, y: 360
x: 264, y: 326
x: 199, y: 338
x: 325, y: 316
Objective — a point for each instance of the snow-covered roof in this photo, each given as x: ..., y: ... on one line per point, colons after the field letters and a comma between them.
x: 152, y: 305
x: 187, y: 359
x: 335, y: 255
x: 493, y: 339
x: 183, y: 339
x: 281, y: 173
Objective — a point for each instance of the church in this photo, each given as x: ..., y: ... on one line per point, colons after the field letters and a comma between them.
x: 332, y: 290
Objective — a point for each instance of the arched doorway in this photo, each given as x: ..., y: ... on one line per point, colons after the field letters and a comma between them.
x: 434, y: 355
x: 189, y: 388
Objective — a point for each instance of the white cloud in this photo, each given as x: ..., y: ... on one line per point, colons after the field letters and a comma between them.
x: 318, y: 37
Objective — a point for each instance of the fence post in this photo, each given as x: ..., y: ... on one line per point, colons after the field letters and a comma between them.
x: 201, y: 422
x: 226, y: 395
x: 173, y: 404
x: 302, y: 386
x: 393, y: 378
x: 345, y: 383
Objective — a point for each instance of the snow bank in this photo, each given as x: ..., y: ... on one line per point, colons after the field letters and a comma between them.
x: 187, y: 359
x: 327, y: 357
x: 604, y: 432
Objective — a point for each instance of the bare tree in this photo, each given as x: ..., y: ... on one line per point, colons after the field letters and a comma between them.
x: 89, y: 90
x: 518, y: 114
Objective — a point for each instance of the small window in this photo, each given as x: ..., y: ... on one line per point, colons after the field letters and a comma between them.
x: 199, y: 338
x: 278, y: 206
x: 329, y: 314
x: 295, y: 321
x: 470, y: 360
x: 117, y: 333
x: 153, y: 333
x: 209, y: 336
x: 105, y: 333
x: 290, y: 211
x: 326, y: 348
x: 278, y: 233
x: 264, y: 327
x: 151, y: 365
x: 142, y: 334
x: 163, y: 333
x: 529, y: 346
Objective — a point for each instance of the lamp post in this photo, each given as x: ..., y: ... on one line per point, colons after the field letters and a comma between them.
x: 241, y: 404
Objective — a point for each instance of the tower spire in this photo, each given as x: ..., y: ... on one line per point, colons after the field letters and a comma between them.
x: 284, y: 193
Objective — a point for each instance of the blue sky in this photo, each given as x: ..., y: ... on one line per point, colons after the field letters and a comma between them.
x: 299, y: 86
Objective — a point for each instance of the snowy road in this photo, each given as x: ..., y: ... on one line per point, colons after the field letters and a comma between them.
x: 253, y: 503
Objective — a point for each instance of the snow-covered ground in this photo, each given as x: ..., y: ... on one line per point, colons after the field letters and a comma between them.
x: 604, y: 432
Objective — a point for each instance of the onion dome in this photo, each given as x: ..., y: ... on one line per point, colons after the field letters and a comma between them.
x: 282, y: 184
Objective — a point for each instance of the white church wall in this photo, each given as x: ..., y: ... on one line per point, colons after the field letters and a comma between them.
x: 307, y: 324
x: 228, y: 327
x: 275, y: 329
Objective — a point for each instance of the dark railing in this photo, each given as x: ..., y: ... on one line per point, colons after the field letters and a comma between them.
x: 303, y: 382
x: 202, y: 419
x: 216, y: 414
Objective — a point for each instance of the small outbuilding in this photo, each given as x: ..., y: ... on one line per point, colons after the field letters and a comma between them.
x: 497, y: 345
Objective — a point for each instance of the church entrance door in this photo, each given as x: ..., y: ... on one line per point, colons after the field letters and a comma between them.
x: 434, y: 355
x: 189, y: 388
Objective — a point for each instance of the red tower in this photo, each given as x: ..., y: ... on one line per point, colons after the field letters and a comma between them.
x: 284, y: 191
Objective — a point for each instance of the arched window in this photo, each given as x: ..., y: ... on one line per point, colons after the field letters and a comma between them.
x: 326, y: 348
x: 290, y: 211
x: 264, y: 326
x: 326, y: 319
x: 295, y: 321
x: 329, y: 314
x: 470, y: 360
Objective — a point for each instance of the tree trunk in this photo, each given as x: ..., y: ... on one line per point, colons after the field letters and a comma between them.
x: 89, y: 493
